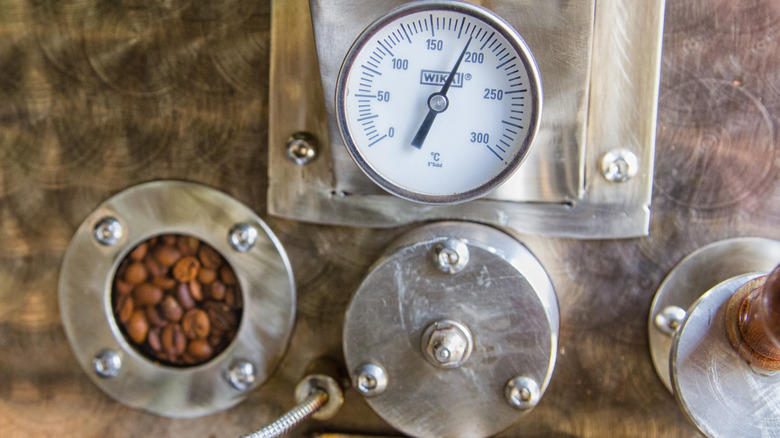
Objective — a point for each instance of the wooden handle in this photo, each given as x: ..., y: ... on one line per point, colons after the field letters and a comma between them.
x: 753, y: 321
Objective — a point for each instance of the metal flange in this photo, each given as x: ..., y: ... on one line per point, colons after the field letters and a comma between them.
x: 697, y: 273
x: 262, y: 269
x: 457, y: 353
x: 719, y: 391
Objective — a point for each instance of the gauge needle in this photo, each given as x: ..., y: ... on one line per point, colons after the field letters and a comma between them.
x: 437, y: 102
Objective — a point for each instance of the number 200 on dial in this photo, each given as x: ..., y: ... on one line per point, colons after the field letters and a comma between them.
x: 438, y: 102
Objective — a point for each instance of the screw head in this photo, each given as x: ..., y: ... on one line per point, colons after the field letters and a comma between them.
x: 619, y: 165
x: 522, y: 393
x: 447, y: 343
x: 669, y: 319
x: 301, y: 148
x: 241, y: 375
x: 107, y: 364
x: 451, y: 256
x: 242, y: 237
x: 108, y: 231
x: 370, y: 379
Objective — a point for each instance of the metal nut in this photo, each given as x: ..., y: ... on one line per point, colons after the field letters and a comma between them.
x: 522, y: 393
x: 108, y: 231
x: 241, y: 375
x: 242, y: 237
x: 107, y: 364
x: 619, y: 165
x: 447, y: 343
x: 370, y: 379
x: 669, y: 319
x: 451, y: 256
x: 301, y: 148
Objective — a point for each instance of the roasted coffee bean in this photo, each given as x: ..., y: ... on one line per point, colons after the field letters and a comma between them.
x: 171, y: 309
x: 207, y: 275
x: 208, y: 257
x: 125, y: 308
x: 187, y: 245
x: 217, y: 290
x: 123, y: 287
x: 135, y: 273
x: 165, y: 283
x: 155, y: 268
x: 227, y: 275
x: 147, y: 294
x: 139, y: 252
x: 200, y: 349
x: 173, y: 340
x: 184, y: 296
x: 166, y: 255
x: 221, y: 317
x: 138, y: 326
x: 186, y: 269
x: 230, y: 298
x: 196, y: 290
x: 196, y: 324
x: 155, y: 317
x: 153, y: 339
x: 168, y: 239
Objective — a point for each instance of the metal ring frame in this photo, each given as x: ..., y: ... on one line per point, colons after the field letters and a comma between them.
x: 263, y: 272
x: 479, y: 13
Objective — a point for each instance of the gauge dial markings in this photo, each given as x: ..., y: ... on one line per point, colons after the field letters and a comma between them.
x: 392, y: 93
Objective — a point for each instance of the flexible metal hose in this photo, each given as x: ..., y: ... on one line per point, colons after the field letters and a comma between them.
x: 294, y: 417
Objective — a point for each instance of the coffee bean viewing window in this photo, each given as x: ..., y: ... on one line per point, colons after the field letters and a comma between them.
x: 177, y: 300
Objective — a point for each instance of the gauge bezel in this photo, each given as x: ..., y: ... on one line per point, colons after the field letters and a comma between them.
x: 534, y: 87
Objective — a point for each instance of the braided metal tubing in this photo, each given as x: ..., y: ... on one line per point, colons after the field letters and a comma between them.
x: 294, y: 417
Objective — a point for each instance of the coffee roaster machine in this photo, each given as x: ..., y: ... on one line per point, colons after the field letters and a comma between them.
x: 442, y: 218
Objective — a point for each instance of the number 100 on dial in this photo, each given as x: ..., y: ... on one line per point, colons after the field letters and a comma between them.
x: 439, y: 102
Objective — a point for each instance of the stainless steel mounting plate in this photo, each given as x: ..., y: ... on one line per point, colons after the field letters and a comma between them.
x: 699, y: 272
x: 504, y: 297
x: 263, y: 271
x: 595, y: 103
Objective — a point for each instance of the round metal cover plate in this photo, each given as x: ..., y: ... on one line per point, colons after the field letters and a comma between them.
x: 263, y: 272
x: 696, y: 274
x: 721, y: 393
x: 503, y: 295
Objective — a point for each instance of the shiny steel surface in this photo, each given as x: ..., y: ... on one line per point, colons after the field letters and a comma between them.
x: 721, y: 393
x: 184, y: 92
x: 595, y: 102
x: 697, y: 273
x: 263, y: 271
x: 406, y: 311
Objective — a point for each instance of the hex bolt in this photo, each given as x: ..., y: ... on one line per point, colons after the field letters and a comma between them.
x: 668, y: 320
x: 108, y: 231
x: 242, y: 237
x: 447, y: 343
x: 619, y: 165
x: 301, y: 148
x: 370, y: 379
x: 107, y: 364
x: 522, y: 393
x: 241, y: 375
x: 451, y: 256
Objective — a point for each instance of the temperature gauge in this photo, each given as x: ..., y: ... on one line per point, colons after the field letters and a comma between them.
x: 438, y: 102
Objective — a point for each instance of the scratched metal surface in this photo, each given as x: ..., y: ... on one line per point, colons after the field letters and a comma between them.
x: 99, y: 95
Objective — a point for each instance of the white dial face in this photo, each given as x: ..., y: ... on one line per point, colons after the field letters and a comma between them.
x: 438, y: 104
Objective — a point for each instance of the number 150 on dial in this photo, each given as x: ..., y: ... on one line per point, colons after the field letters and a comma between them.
x: 438, y: 102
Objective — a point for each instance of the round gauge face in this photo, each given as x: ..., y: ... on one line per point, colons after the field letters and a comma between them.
x: 438, y: 102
